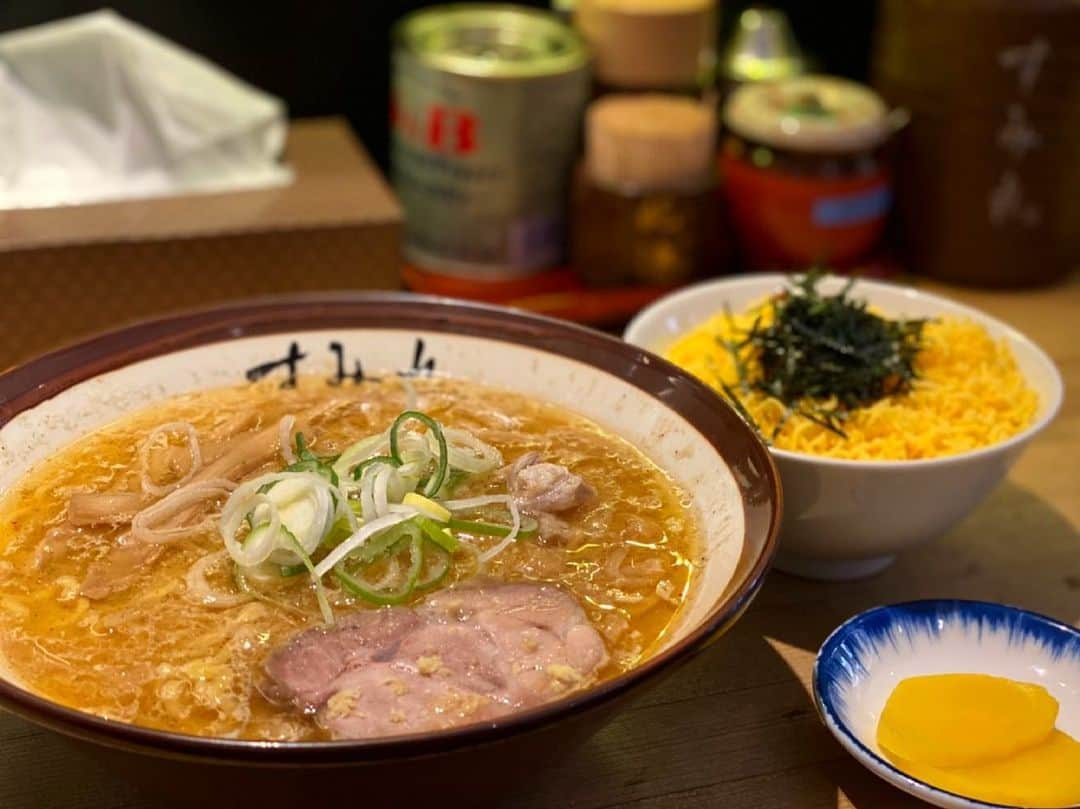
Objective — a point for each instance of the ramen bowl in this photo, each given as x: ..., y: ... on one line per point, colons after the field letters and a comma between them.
x: 846, y: 519
x: 672, y: 418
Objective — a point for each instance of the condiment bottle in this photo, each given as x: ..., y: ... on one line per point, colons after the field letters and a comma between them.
x: 644, y: 205
x: 761, y: 48
x: 485, y: 130
x: 650, y: 45
x: 806, y: 176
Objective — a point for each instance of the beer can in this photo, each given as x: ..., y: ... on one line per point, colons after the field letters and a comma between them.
x: 486, y: 114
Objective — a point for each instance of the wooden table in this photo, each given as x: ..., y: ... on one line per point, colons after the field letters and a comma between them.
x: 736, y: 727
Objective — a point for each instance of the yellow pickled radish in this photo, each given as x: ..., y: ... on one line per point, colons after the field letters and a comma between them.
x: 1046, y: 775
x: 956, y: 720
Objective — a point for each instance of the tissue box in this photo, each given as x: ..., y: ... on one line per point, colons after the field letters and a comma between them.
x: 69, y: 271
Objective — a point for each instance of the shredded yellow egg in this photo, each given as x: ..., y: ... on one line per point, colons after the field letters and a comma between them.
x: 968, y: 394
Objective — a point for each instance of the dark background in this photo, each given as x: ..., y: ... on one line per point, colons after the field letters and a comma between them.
x: 325, y: 58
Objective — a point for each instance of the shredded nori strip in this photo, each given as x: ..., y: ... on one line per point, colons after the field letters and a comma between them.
x: 823, y: 356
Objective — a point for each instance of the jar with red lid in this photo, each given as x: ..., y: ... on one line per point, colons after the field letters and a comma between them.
x: 806, y: 172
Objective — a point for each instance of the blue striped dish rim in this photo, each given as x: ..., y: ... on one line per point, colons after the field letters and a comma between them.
x: 1059, y: 637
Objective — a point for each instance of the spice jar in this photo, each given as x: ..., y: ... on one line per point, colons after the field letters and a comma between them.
x: 644, y: 204
x: 805, y: 171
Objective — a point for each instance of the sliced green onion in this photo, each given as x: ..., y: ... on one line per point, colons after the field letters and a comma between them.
x: 363, y: 535
x: 435, y: 482
x: 310, y: 462
x: 338, y: 533
x: 454, y: 478
x: 300, y: 506
x: 288, y: 571
x: 320, y: 593
x: 391, y: 595
x: 378, y: 546
x: 356, y: 452
x: 438, y: 559
x: 302, y: 451
x: 529, y: 527
x: 358, y: 470
x: 438, y: 534
x: 316, y: 468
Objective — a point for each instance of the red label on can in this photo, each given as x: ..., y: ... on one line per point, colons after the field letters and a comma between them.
x: 439, y: 128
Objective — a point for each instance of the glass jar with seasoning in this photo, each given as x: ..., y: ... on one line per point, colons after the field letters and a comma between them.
x: 645, y: 208
x: 805, y: 171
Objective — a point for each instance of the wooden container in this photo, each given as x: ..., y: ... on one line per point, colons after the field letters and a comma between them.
x: 990, y: 164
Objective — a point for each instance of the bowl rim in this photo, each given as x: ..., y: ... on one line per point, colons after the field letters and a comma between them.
x: 1048, y: 414
x: 27, y: 385
x: 855, y: 746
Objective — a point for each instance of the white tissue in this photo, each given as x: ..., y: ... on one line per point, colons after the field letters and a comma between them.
x: 95, y: 108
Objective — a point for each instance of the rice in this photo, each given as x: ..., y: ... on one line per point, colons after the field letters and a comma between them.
x: 968, y: 394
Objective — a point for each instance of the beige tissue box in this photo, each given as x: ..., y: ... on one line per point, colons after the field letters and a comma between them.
x: 69, y: 271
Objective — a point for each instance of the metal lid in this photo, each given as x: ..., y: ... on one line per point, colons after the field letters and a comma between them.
x: 491, y: 41
x: 762, y: 48
x: 809, y: 114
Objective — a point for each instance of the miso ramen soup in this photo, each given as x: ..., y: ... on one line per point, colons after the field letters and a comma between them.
x: 328, y: 562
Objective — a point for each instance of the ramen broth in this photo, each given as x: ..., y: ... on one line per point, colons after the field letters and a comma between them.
x: 144, y: 650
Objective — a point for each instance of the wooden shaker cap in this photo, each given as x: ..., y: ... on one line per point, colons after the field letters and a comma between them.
x: 649, y: 44
x: 650, y: 142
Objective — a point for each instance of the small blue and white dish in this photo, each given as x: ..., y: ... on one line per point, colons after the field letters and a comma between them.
x: 863, y: 660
